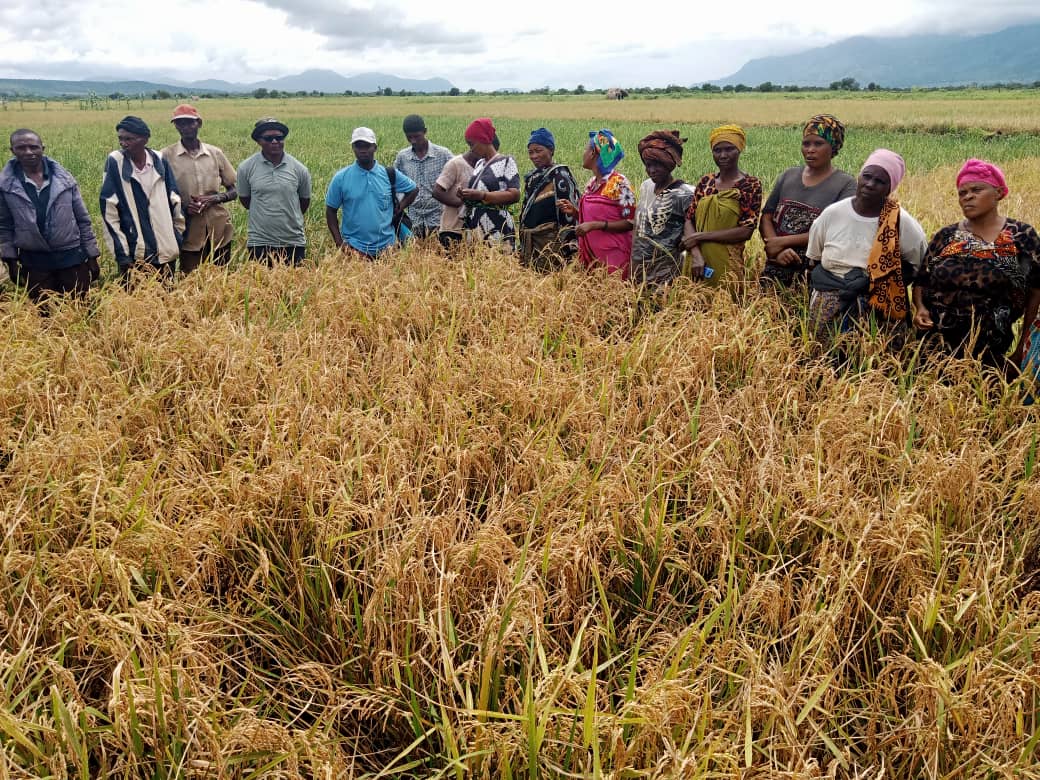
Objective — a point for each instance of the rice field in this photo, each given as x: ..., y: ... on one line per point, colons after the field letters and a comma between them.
x: 434, y: 518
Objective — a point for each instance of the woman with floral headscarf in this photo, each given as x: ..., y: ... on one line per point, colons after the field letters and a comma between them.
x: 663, y: 202
x: 724, y: 212
x: 980, y: 274
x: 606, y: 208
x: 798, y: 197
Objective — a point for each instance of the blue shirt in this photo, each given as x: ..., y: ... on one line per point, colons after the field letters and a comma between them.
x: 368, y: 213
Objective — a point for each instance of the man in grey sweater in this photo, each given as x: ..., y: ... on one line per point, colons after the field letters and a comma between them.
x: 46, y: 238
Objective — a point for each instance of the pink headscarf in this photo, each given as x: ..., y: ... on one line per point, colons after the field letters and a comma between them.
x: 986, y: 172
x: 890, y: 162
x: 481, y: 131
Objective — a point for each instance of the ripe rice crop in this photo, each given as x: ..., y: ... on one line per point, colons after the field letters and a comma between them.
x: 449, y: 518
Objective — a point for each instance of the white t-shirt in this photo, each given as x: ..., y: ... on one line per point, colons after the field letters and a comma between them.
x: 841, y: 240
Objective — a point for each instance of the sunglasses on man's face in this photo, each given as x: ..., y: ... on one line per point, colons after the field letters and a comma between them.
x: 272, y: 139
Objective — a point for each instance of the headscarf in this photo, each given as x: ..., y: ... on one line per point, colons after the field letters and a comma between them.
x: 890, y: 162
x: 542, y: 137
x: 663, y: 146
x: 829, y: 128
x: 733, y: 134
x: 986, y: 172
x: 413, y: 123
x: 135, y: 125
x: 480, y: 131
x: 608, y: 149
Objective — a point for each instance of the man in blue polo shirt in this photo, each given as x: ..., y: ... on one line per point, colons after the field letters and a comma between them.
x: 362, y: 190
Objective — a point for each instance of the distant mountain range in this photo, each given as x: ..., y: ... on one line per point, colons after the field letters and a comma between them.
x: 1011, y: 55
x: 309, y: 81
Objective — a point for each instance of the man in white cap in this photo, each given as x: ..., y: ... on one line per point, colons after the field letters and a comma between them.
x: 201, y: 170
x: 276, y: 189
x: 367, y: 193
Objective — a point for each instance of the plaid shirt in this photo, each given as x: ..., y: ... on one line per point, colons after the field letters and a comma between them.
x: 425, y: 211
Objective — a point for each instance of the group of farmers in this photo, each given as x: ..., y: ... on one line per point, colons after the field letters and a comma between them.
x: 842, y: 239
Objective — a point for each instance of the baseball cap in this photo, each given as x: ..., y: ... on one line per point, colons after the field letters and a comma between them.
x: 184, y: 111
x: 363, y: 134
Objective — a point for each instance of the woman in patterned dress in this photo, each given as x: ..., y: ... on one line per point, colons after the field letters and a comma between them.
x: 730, y: 202
x: 547, y: 237
x: 980, y: 275
x: 606, y: 208
x: 661, y: 215
x: 797, y: 198
x: 494, y: 185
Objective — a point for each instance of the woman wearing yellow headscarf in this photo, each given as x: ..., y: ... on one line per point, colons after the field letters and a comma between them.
x: 724, y: 212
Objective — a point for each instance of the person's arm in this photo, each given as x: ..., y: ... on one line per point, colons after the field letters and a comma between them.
x: 242, y: 183
x: 174, y: 195
x: 445, y: 197
x: 922, y: 317
x: 8, y: 250
x: 87, y: 239
x: 115, y: 239
x: 332, y: 221
x: 227, y: 179
x: 1032, y: 308
x: 607, y: 226
x: 304, y: 190
x: 408, y: 188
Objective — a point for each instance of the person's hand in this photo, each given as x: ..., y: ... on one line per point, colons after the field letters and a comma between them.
x: 696, y: 263
x: 566, y: 207
x: 691, y: 241
x: 587, y: 227
x: 923, y: 318
x: 787, y: 257
x: 469, y: 194
x: 774, y: 246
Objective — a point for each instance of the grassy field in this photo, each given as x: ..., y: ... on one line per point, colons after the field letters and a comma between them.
x: 447, y: 518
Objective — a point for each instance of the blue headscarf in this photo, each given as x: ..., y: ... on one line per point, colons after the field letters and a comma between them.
x: 608, y: 148
x: 542, y: 137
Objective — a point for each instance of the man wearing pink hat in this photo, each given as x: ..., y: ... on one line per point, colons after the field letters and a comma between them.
x: 866, y: 249
x: 201, y: 170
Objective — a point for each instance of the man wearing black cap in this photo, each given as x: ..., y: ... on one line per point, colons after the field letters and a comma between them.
x: 140, y: 203
x: 422, y: 162
x: 276, y: 189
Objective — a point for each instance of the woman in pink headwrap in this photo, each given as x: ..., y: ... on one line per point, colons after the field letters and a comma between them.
x: 494, y: 185
x: 866, y: 249
x: 980, y: 274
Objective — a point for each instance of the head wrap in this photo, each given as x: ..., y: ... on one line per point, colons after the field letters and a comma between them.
x: 413, y: 123
x: 829, y: 128
x: 986, y: 172
x: 608, y: 150
x: 890, y: 162
x: 733, y: 134
x: 542, y: 137
x: 662, y: 146
x: 268, y: 123
x: 480, y: 131
x: 135, y: 125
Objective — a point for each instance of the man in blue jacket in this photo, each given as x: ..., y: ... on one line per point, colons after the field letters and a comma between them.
x: 45, y: 235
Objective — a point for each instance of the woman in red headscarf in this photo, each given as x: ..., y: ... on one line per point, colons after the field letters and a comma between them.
x: 494, y: 185
x: 980, y: 275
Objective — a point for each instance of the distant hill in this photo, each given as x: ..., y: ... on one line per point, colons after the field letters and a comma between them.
x: 1011, y: 55
x: 51, y: 88
x: 330, y: 81
x: 308, y: 81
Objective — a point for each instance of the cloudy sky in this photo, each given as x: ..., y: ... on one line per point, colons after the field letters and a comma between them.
x: 484, y: 46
